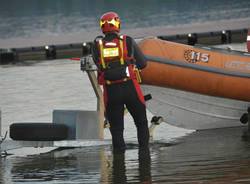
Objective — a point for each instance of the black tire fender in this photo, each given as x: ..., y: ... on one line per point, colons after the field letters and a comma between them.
x: 38, y: 131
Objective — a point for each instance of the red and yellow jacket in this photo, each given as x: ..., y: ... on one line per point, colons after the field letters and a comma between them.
x: 115, y: 54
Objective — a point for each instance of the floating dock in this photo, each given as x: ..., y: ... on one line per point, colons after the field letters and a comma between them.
x: 63, y: 51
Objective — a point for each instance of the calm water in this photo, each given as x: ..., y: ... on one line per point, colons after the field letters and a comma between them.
x: 31, y: 18
x: 217, y: 156
x: 50, y: 21
x: 30, y: 92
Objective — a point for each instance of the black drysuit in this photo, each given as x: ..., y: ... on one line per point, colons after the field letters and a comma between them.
x: 119, y: 95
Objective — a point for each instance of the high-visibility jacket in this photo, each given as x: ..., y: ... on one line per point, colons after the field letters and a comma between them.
x: 114, y: 63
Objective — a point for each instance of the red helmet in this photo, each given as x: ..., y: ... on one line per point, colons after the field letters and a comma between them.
x: 110, y: 22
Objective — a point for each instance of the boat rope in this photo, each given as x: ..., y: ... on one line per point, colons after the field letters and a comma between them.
x: 3, y: 138
x: 198, y: 67
x: 3, y: 153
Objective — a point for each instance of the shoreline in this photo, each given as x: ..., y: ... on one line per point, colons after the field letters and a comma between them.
x: 135, y: 33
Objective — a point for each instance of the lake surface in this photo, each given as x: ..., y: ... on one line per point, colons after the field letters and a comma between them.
x: 35, y: 22
x: 31, y: 18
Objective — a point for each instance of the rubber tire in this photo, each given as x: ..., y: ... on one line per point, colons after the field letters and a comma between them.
x: 38, y: 131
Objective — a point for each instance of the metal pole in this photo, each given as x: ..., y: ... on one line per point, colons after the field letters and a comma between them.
x: 88, y: 65
x: 0, y: 122
x: 0, y: 131
x: 100, y: 101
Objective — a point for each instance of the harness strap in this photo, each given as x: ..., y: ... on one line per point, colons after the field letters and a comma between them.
x: 138, y: 76
x: 121, y: 45
x: 101, y: 52
x: 122, y: 62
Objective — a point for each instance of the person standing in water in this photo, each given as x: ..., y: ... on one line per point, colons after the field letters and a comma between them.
x: 119, y: 60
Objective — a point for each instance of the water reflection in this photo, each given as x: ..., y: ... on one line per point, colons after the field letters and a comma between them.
x: 214, y: 156
x: 95, y: 165
x: 144, y: 166
x: 119, y: 170
x: 67, y: 166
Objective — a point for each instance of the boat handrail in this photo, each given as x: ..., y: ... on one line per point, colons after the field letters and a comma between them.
x: 198, y: 67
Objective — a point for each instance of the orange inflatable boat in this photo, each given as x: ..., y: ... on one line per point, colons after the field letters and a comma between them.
x: 204, y: 70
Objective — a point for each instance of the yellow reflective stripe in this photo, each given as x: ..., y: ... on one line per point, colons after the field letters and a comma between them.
x: 138, y: 76
x: 121, y: 45
x: 101, y: 52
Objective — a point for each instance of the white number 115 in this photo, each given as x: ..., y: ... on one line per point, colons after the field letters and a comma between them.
x: 197, y: 56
